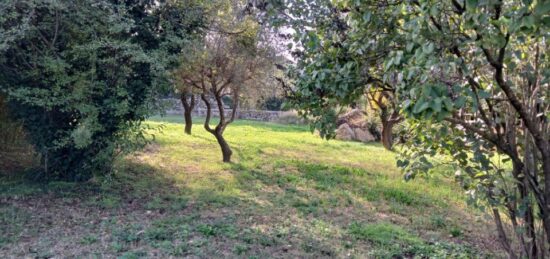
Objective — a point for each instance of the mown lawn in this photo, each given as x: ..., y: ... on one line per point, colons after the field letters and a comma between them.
x: 287, y: 194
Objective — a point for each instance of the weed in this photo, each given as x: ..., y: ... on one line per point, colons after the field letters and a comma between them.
x: 88, y: 240
x: 240, y: 249
x: 168, y: 229
x: 438, y: 221
x: 180, y: 249
x: 217, y: 229
x: 393, y: 241
x: 12, y: 223
x: 124, y: 235
x: 456, y: 232
x: 133, y: 255
x: 109, y: 202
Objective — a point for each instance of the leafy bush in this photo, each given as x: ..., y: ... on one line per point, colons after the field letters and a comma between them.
x: 227, y: 100
x: 272, y: 103
x: 79, y: 88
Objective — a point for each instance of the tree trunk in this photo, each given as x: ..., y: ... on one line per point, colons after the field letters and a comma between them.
x: 188, y: 122
x: 546, y: 211
x: 387, y: 127
x: 226, y: 150
x: 387, y: 138
x: 502, y: 235
x: 187, y: 110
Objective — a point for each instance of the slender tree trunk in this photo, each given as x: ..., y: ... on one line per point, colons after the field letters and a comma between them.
x: 387, y: 138
x: 546, y: 211
x: 218, y: 131
x: 187, y: 110
x: 188, y: 122
x: 502, y: 234
x: 226, y: 150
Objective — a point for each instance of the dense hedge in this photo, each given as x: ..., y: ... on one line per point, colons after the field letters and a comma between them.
x: 82, y: 75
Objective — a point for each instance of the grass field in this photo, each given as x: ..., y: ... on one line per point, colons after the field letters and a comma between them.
x: 287, y: 194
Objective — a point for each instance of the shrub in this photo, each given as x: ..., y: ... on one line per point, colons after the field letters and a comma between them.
x: 81, y: 89
x: 87, y: 86
x: 227, y: 100
x: 272, y: 103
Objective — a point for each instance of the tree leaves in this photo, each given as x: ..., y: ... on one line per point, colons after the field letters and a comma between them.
x: 82, y: 78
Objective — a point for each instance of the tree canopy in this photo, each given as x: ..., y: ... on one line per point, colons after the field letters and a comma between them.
x: 471, y: 77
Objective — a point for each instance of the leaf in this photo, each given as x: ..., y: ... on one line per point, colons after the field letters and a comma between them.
x: 428, y: 48
x: 483, y: 94
x: 410, y: 46
x: 367, y: 16
x: 542, y: 8
x: 528, y: 21
x: 471, y: 4
x: 460, y: 101
x: 420, y: 107
x: 448, y: 104
x: 437, y: 105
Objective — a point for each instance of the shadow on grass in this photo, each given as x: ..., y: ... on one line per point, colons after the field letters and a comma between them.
x: 286, y: 208
x: 290, y: 175
x: 333, y: 195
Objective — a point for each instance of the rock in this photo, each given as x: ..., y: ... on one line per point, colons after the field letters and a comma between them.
x: 344, y: 132
x: 353, y: 118
x: 363, y: 135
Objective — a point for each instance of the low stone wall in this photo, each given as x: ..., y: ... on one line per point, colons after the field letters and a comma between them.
x: 256, y: 115
x: 259, y: 115
x: 174, y: 107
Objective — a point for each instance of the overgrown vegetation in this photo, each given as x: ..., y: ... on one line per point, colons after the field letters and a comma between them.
x: 81, y: 76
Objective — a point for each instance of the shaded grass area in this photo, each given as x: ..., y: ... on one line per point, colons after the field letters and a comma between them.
x: 287, y: 194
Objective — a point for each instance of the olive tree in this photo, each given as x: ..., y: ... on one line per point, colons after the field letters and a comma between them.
x: 221, y: 64
x: 187, y: 98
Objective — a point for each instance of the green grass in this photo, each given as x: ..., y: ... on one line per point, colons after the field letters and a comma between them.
x: 287, y: 193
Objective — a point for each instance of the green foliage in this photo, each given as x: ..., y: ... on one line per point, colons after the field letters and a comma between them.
x: 383, y: 234
x: 81, y: 89
x: 227, y: 100
x: 466, y: 74
x: 272, y: 103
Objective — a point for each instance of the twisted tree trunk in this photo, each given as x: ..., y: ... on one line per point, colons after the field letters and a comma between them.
x: 387, y: 127
x: 187, y: 110
x: 226, y: 150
